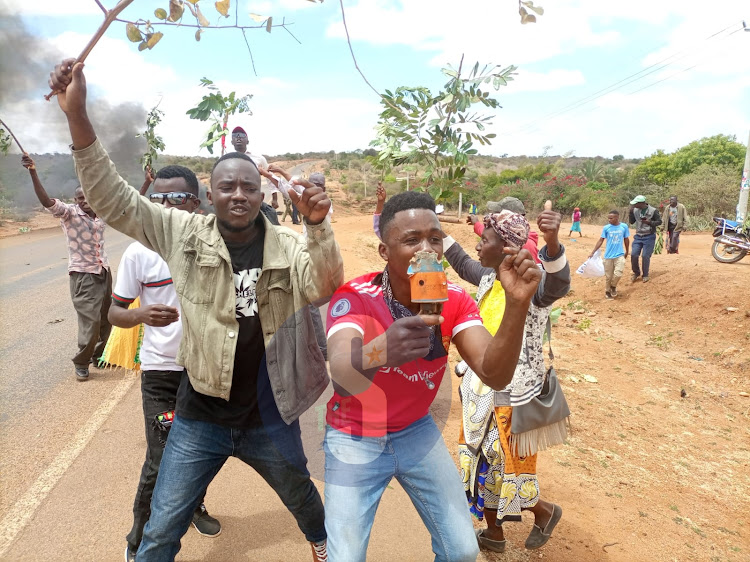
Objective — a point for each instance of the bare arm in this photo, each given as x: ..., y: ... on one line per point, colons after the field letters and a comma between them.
x: 380, y: 192
x: 599, y: 245
x: 158, y: 315
x: 274, y: 169
x: 147, y: 181
x: 41, y: 193
x: 627, y: 246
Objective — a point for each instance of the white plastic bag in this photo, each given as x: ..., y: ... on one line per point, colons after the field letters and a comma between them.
x: 592, y: 267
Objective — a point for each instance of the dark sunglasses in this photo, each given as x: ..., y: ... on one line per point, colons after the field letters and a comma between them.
x: 174, y: 197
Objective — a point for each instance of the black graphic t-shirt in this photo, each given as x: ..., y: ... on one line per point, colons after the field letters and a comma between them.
x: 241, y: 411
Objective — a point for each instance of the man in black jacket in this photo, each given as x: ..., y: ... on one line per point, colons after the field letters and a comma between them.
x: 645, y: 218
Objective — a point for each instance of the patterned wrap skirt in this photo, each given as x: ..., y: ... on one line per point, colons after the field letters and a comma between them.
x: 493, y: 477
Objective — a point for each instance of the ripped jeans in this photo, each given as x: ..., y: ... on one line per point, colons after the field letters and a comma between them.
x: 159, y: 392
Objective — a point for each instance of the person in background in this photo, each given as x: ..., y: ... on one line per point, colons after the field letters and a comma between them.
x: 677, y: 222
x: 144, y: 274
x: 646, y: 220
x: 88, y: 270
x: 275, y: 170
x: 576, y: 226
x: 240, y: 141
x: 618, y: 245
x: 381, y: 196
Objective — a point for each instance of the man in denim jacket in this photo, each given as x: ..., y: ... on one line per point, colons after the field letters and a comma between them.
x: 249, y: 349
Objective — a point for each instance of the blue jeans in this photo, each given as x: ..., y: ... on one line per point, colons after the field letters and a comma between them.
x: 195, y: 453
x: 358, y: 469
x: 642, y: 245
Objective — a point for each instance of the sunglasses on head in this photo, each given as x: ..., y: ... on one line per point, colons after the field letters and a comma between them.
x: 174, y: 197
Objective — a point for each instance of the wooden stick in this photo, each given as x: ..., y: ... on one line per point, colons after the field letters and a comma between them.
x: 12, y: 135
x: 109, y: 17
x: 454, y: 220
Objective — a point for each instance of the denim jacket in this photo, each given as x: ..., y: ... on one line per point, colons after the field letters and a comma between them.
x: 295, y: 272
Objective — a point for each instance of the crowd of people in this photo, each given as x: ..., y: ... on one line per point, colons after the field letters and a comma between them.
x: 234, y: 349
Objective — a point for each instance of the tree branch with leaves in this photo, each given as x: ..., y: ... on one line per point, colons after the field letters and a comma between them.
x: 6, y: 136
x: 218, y: 109
x: 154, y: 143
x: 438, y: 132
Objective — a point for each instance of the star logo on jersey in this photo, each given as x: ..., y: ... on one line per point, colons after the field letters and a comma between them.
x: 246, y: 303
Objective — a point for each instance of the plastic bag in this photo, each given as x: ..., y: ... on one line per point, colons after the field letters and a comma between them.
x: 592, y: 267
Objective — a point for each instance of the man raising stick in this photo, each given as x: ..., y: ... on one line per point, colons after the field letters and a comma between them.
x: 88, y: 270
x: 241, y: 282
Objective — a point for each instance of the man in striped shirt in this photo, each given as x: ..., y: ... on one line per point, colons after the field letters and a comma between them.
x: 143, y: 273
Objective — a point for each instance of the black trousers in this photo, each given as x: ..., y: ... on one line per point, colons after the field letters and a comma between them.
x: 159, y: 393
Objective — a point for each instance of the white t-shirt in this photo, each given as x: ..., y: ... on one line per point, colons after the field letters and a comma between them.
x: 143, y: 273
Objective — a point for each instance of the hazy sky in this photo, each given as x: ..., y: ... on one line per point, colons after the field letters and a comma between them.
x: 596, y: 78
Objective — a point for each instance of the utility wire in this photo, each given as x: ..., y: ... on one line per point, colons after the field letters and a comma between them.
x: 655, y: 67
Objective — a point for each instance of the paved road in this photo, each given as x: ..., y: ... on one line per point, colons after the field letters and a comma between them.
x: 71, y: 451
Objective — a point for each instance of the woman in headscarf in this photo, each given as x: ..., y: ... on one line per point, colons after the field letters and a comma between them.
x: 500, y: 483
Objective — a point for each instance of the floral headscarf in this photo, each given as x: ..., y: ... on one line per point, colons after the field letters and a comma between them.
x: 511, y: 227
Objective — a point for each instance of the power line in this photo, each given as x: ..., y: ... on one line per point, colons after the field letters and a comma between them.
x: 655, y: 67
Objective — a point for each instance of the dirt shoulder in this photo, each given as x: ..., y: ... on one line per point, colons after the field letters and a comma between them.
x: 38, y: 220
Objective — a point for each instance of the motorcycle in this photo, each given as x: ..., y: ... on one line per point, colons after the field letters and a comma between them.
x: 731, y: 241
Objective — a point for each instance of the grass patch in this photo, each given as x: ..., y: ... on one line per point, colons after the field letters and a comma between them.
x: 674, y: 508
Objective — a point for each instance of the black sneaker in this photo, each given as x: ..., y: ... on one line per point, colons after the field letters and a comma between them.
x: 129, y: 555
x: 82, y: 373
x: 608, y: 296
x: 205, y: 524
x: 613, y: 291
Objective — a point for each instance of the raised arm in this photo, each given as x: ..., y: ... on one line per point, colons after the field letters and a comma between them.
x: 467, y: 269
x: 318, y: 261
x: 494, y: 359
x: 41, y: 193
x: 117, y: 203
x: 148, y: 179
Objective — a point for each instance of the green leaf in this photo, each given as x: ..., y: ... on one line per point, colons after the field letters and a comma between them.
x: 133, y: 33
x: 143, y: 46
x: 160, y: 14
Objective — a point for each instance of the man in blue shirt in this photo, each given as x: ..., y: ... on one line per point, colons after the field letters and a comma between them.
x: 618, y: 245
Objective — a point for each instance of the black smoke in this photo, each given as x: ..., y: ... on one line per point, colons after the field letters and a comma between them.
x: 25, y: 63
